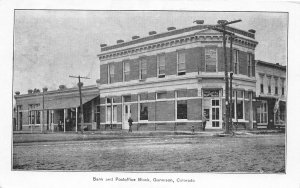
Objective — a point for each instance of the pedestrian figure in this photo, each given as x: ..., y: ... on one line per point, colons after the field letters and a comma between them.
x: 130, y: 124
x: 204, y: 121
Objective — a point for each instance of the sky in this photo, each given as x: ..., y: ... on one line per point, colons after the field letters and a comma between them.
x: 50, y: 45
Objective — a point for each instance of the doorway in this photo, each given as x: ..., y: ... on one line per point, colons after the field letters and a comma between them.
x: 126, y: 115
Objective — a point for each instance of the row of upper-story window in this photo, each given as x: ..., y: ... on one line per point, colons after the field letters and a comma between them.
x: 210, y: 65
x: 271, y: 84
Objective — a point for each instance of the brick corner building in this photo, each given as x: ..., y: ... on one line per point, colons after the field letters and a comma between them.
x: 165, y: 81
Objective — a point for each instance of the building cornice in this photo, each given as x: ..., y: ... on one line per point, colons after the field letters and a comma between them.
x: 178, y: 41
x: 175, y: 32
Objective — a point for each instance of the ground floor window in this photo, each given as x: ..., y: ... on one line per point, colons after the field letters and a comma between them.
x: 182, y: 109
x: 262, y: 113
x: 279, y: 116
x: 111, y: 114
x: 143, y: 111
x: 240, y: 109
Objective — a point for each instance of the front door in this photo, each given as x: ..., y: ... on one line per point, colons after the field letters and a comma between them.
x: 126, y: 115
x: 215, y: 113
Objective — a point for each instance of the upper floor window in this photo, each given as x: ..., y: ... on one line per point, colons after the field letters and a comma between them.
x: 143, y: 68
x: 249, y: 59
x: 236, y: 61
x: 269, y: 85
x: 181, y: 63
x: 261, y: 78
x: 111, y: 73
x: 282, y: 86
x: 126, y: 71
x: 276, y: 86
x: 211, y: 59
x: 161, y: 65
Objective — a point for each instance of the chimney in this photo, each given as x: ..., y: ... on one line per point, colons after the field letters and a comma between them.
x: 251, y: 31
x: 103, y: 45
x: 135, y: 37
x: 171, y: 28
x: 120, y: 41
x: 199, y: 22
x: 62, y: 87
x: 152, y: 32
x: 17, y: 92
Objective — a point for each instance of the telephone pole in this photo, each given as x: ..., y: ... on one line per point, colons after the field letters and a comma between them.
x: 221, y: 27
x: 80, y: 97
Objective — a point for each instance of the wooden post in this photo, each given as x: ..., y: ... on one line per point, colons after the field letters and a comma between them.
x: 76, y: 118
x: 64, y: 120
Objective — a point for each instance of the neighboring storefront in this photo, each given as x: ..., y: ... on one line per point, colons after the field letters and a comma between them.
x: 56, y: 110
x: 270, y: 95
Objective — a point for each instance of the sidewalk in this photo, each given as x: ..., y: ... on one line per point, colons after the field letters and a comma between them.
x: 25, y: 137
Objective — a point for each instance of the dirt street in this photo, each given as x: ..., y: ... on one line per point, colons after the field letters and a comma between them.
x: 259, y: 153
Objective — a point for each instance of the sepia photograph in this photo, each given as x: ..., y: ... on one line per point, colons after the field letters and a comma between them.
x: 150, y: 91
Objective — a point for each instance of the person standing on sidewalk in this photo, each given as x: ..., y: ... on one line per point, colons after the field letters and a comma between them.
x: 204, y: 121
x: 130, y: 124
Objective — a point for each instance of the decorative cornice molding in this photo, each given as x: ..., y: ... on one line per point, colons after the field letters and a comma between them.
x: 203, y: 37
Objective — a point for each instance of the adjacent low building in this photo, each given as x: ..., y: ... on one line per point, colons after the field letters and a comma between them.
x: 56, y: 110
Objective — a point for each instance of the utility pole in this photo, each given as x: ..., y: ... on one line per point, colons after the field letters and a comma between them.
x: 80, y: 97
x: 230, y: 82
x: 223, y: 24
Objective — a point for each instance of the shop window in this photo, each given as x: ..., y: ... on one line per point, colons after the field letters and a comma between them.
x: 161, y: 65
x: 181, y: 63
x: 126, y: 71
x: 143, y: 68
x: 127, y: 98
x: 161, y: 95
x: 262, y: 113
x: 240, y: 109
x: 182, y: 109
x: 210, y: 59
x: 143, y: 111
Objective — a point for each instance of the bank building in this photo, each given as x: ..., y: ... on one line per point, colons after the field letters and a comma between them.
x: 167, y: 81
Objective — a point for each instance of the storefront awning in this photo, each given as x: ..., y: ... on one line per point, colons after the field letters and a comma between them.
x: 70, y: 102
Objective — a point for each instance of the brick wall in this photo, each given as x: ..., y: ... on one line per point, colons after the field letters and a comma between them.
x: 134, y: 70
x: 202, y: 59
x: 194, y: 109
x: 118, y: 71
x: 134, y: 112
x: 247, y: 110
x: 119, y: 113
x: 102, y: 114
x: 151, y: 96
x: 151, y: 66
x: 165, y: 111
x: 103, y: 74
x: 192, y: 92
x: 192, y: 59
x: 171, y: 63
x: 243, y: 65
x: 151, y: 111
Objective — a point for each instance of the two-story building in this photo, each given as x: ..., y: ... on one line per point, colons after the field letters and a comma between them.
x: 270, y: 95
x: 166, y: 81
